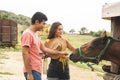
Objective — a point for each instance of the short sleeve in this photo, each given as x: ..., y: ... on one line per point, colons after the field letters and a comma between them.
x: 26, y: 39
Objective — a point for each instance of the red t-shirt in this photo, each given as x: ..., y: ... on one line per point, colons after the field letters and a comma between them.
x: 31, y: 39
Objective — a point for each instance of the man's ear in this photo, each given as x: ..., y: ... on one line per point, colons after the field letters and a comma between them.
x: 104, y: 37
x: 36, y: 21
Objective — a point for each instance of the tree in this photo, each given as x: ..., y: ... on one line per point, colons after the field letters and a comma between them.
x: 72, y: 31
x: 83, y: 30
x: 20, y: 19
x: 3, y: 16
x: 98, y: 33
x: 91, y: 33
x: 64, y: 32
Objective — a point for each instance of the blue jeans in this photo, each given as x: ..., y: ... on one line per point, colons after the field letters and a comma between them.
x: 36, y: 75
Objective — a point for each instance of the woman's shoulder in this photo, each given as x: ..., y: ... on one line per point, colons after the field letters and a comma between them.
x: 62, y: 38
x: 56, y: 40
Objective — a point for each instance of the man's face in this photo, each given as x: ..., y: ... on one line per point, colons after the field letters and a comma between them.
x: 40, y: 25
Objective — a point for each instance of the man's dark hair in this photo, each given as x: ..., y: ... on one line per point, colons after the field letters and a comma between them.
x: 38, y: 16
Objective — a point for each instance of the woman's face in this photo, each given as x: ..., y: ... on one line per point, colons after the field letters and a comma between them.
x: 59, y: 31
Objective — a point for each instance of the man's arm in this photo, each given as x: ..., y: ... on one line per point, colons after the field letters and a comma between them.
x: 52, y: 51
x: 26, y: 60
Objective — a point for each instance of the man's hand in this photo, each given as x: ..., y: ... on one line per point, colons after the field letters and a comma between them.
x: 63, y: 53
x: 52, y: 51
x: 30, y: 77
x: 44, y: 55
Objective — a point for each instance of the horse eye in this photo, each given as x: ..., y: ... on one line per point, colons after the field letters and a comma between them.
x: 91, y: 47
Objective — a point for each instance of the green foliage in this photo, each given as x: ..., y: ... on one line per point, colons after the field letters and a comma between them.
x: 21, y: 19
x: 64, y: 32
x: 23, y: 29
x: 43, y: 38
x: 72, y: 31
x: 91, y: 32
x: 98, y: 33
x: 6, y: 73
x: 7, y: 48
x: 3, y: 56
x: 83, y: 30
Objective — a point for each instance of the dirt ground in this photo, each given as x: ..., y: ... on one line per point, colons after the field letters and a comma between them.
x: 14, y: 65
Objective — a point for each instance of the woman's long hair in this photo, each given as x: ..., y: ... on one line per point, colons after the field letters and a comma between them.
x: 53, y: 29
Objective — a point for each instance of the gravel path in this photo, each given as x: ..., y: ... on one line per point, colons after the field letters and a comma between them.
x: 13, y: 64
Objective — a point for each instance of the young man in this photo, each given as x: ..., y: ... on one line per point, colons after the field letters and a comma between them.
x: 32, y: 46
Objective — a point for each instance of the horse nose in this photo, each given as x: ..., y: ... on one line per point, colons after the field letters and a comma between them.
x: 71, y: 56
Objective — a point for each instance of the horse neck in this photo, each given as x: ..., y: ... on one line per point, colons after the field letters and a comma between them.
x: 113, y: 52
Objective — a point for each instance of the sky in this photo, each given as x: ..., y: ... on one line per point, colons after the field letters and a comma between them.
x: 73, y: 14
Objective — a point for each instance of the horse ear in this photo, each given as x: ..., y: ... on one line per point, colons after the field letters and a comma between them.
x: 104, y: 37
x: 104, y: 34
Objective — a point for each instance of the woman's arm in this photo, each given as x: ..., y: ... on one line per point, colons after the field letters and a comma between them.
x: 69, y: 46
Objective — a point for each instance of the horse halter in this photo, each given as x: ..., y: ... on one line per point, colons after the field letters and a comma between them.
x: 97, y: 58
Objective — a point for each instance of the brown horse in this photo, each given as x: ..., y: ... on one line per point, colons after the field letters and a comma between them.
x: 103, y: 48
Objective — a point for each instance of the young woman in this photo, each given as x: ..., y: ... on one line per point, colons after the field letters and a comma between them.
x: 58, y: 68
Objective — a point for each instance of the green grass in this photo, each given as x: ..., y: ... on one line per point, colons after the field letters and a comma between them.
x: 96, y: 67
x: 99, y: 74
x: 77, y: 40
x: 84, y: 65
x: 4, y: 56
x: 2, y: 63
x: 6, y: 73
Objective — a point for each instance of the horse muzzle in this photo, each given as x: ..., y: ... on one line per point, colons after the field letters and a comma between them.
x: 73, y: 58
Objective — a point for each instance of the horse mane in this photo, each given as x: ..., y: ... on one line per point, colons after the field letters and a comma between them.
x: 102, y: 40
x: 109, y: 37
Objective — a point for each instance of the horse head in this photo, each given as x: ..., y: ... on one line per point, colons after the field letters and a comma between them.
x: 92, y: 51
